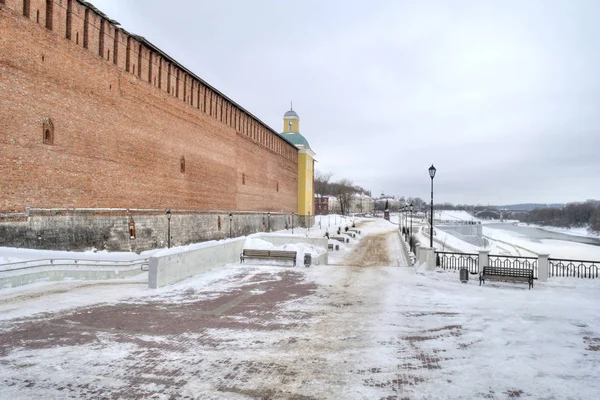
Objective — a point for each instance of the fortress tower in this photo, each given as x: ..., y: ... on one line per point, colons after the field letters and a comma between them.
x: 291, y: 132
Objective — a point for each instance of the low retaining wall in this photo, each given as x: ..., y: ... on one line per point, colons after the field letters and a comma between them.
x: 171, y: 268
x: 49, y: 274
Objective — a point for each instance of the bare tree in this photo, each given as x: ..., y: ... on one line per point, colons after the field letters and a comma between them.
x: 322, y: 183
x: 343, y: 190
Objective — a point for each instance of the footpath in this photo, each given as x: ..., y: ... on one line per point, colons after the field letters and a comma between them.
x: 365, y: 328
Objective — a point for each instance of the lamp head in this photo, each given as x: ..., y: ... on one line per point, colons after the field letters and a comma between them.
x: 432, y: 171
x: 169, y: 214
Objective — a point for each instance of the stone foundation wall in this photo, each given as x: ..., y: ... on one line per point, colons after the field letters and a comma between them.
x: 110, y: 229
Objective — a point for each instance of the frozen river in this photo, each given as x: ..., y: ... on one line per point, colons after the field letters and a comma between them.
x: 535, y: 234
x: 540, y: 241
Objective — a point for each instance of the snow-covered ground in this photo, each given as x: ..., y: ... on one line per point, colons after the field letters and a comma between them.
x: 326, y: 332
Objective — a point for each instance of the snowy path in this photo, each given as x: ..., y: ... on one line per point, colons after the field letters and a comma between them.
x: 327, y: 332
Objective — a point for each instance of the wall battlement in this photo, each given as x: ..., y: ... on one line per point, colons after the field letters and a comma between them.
x: 94, y: 118
x: 83, y: 24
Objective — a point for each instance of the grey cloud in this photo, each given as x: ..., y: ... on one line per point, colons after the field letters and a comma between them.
x: 501, y: 96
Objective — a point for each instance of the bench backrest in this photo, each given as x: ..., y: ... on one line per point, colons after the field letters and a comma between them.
x: 508, y: 271
x: 256, y: 253
x: 282, y: 253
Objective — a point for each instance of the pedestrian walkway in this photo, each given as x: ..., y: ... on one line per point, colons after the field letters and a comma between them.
x: 326, y: 332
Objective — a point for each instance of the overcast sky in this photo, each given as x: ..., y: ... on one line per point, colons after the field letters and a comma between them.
x: 502, y: 96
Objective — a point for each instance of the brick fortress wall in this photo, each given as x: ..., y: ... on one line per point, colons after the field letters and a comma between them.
x: 93, y: 117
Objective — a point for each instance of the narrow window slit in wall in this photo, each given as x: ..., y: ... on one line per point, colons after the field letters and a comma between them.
x: 116, y: 47
x: 49, y: 13
x: 243, y: 179
x: 86, y: 23
x: 150, y: 69
x: 139, y: 62
x: 128, y: 55
x: 101, y: 39
x: 69, y: 19
x: 48, y: 131
x: 182, y: 165
x: 37, y: 16
x: 26, y: 8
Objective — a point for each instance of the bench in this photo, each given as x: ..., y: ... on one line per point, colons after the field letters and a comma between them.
x: 506, y: 274
x: 355, y: 231
x: 341, y: 239
x: 351, y: 234
x: 283, y: 255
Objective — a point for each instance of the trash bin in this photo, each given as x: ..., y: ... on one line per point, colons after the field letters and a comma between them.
x: 307, y: 259
x: 464, y: 275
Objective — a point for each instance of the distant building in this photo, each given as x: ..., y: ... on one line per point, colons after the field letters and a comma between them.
x: 321, y: 205
x: 361, y: 204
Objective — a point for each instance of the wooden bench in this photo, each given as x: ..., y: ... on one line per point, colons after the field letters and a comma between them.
x: 351, y: 234
x: 355, y: 231
x: 283, y: 255
x: 506, y: 274
x: 341, y: 239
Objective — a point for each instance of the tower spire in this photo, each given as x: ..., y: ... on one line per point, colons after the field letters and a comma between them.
x: 291, y: 105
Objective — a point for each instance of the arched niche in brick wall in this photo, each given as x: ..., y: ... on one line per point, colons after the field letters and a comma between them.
x: 48, y: 131
x: 131, y: 228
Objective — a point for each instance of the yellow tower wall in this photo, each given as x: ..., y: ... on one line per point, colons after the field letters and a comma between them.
x: 305, y: 182
x: 295, y: 125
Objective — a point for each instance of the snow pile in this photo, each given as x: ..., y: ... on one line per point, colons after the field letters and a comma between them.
x: 13, y: 254
x: 454, y: 215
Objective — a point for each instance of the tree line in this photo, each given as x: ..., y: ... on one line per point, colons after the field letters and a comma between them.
x: 572, y: 215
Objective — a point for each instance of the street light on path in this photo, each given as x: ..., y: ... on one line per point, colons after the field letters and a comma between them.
x: 432, y: 175
x: 410, y: 240
x: 169, y: 229
x: 230, y: 224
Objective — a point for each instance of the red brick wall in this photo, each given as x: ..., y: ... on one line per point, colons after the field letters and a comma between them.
x: 119, y: 139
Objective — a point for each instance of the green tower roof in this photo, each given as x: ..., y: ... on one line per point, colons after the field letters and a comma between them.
x: 296, y: 139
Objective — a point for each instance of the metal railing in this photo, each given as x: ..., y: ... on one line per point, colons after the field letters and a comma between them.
x: 456, y: 261
x: 574, y: 268
x: 517, y: 262
x: 71, y: 262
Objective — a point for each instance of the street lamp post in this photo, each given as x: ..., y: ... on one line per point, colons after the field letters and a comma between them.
x: 269, y: 222
x: 169, y: 229
x: 292, y: 223
x: 308, y: 225
x: 410, y: 239
x: 230, y: 224
x: 432, y: 175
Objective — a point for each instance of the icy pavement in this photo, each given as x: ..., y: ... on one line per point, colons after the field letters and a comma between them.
x: 327, y: 332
